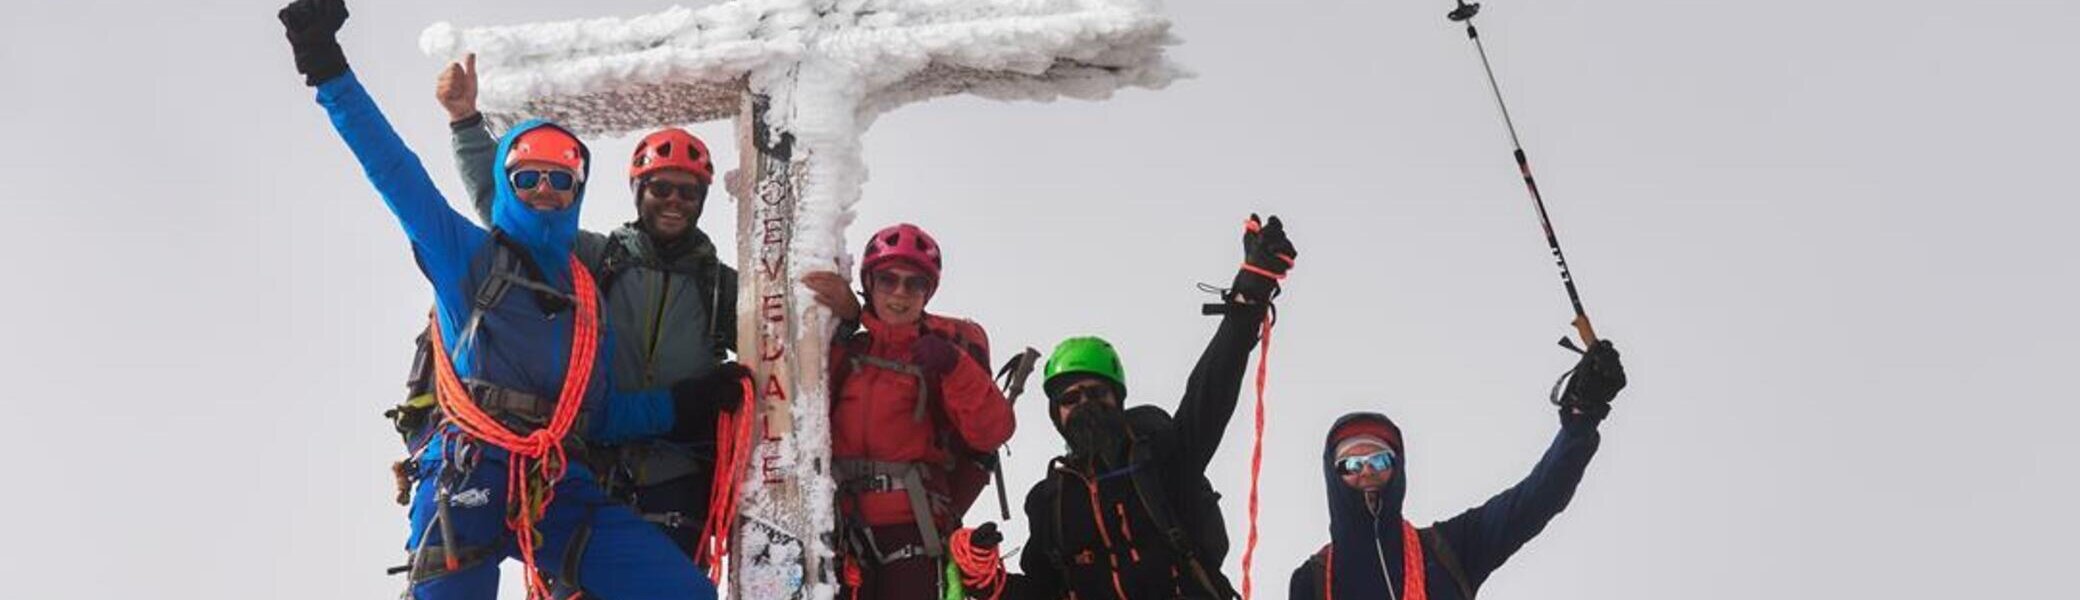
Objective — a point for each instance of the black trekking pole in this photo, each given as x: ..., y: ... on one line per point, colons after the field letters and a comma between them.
x: 1465, y: 13
x: 1014, y: 376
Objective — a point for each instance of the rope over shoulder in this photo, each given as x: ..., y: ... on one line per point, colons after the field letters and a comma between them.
x: 538, y: 461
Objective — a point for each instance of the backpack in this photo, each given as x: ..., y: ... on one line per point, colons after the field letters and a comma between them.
x: 1196, y: 530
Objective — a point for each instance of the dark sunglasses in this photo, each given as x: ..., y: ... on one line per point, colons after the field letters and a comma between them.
x: 558, y: 180
x: 662, y: 190
x: 1070, y: 398
x: 916, y: 284
x: 1379, y: 463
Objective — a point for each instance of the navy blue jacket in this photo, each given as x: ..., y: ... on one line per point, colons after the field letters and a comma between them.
x: 516, y: 346
x: 1368, y: 542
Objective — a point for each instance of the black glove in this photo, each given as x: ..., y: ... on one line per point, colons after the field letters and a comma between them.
x: 936, y: 355
x: 982, y: 569
x: 986, y: 537
x: 1266, y: 255
x: 697, y: 400
x: 1593, y: 383
x: 313, y: 26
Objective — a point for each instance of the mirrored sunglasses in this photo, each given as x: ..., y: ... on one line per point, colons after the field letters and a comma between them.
x: 1378, y: 462
x: 561, y: 181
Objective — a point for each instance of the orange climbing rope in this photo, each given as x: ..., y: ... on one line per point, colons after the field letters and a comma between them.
x: 1256, y: 453
x: 980, y: 569
x: 733, y: 444
x: 1256, y: 462
x: 537, y: 460
x: 1414, y: 585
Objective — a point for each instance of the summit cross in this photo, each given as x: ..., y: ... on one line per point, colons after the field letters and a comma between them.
x: 803, y: 79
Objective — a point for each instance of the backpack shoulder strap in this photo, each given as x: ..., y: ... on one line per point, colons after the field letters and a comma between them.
x: 720, y: 277
x: 1321, y: 561
x: 614, y: 259
x: 1435, y: 544
x: 510, y: 265
x: 1155, y: 499
x: 1054, y: 550
x: 973, y: 338
x: 852, y: 345
x: 490, y: 289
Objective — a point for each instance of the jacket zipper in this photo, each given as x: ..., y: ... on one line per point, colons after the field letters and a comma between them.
x: 664, y: 296
x: 1379, y: 550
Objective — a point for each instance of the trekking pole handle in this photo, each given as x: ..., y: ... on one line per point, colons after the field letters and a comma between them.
x: 1465, y: 11
x: 1587, y: 331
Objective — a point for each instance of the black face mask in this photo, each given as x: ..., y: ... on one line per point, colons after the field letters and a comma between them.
x: 1096, y: 430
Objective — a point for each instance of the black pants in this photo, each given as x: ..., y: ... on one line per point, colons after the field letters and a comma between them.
x: 687, y: 496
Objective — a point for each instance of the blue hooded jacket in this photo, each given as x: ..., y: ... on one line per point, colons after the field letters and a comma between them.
x: 519, y: 343
x: 1368, y: 540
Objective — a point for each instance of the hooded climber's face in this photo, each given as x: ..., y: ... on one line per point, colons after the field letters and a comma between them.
x: 669, y: 202
x: 1365, y: 468
x: 526, y: 205
x: 898, y: 293
x: 1359, y: 463
x: 545, y: 177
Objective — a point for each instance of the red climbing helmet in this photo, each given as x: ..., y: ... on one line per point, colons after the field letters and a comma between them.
x: 903, y: 242
x: 672, y: 148
x: 551, y: 145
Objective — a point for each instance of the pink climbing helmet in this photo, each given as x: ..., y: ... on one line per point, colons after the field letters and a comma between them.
x: 901, y: 242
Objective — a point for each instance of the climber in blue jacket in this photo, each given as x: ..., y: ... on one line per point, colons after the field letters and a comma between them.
x: 506, y: 309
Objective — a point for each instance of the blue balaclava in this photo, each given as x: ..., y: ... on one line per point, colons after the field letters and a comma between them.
x: 546, y: 234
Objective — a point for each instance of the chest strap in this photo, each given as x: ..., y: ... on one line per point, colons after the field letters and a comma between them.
x: 516, y: 408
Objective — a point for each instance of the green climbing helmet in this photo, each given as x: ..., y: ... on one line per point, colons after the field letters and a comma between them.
x: 1086, y: 355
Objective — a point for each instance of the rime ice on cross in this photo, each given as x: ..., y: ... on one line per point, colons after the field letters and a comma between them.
x: 804, y: 78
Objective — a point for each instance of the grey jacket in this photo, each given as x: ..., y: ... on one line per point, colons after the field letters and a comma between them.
x: 671, y: 318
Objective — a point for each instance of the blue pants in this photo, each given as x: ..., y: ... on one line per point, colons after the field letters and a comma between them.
x: 625, y: 557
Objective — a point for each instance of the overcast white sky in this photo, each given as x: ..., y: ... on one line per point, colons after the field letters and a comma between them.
x: 1833, y: 239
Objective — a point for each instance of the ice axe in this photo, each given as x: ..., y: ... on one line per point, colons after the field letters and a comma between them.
x: 1013, y: 379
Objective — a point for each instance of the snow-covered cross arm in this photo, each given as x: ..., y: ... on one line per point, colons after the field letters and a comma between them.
x: 616, y: 75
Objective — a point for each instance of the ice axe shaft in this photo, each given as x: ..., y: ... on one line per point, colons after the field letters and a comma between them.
x: 1014, y: 376
x: 1465, y: 14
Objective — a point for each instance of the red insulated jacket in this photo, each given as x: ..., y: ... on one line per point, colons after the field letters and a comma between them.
x: 874, y: 414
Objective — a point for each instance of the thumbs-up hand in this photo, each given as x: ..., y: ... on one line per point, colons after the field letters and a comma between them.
x: 456, y: 88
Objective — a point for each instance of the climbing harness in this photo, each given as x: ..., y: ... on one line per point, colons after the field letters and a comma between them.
x: 537, y: 460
